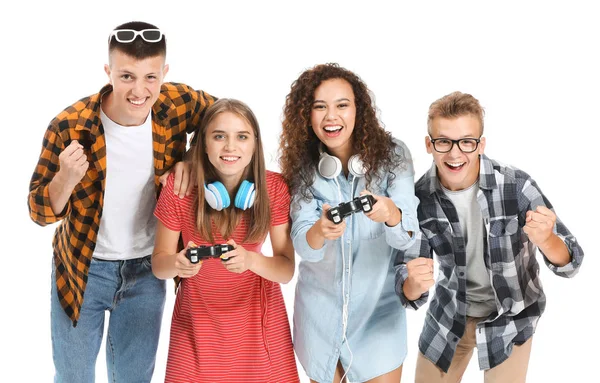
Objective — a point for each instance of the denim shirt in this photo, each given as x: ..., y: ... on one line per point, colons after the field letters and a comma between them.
x: 359, y: 265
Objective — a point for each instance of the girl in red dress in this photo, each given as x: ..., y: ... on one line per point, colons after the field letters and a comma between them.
x: 229, y: 322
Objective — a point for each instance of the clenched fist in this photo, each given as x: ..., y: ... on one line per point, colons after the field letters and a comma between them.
x: 73, y: 164
x: 539, y: 225
x: 420, y: 278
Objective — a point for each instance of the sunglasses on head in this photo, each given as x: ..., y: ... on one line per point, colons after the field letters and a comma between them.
x: 128, y: 35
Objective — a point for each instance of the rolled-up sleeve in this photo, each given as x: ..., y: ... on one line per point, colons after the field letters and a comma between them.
x: 420, y: 247
x: 533, y: 197
x: 304, y: 214
x: 38, y: 200
x: 402, y: 191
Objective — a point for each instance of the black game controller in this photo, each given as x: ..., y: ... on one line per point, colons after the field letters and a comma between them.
x: 363, y: 203
x: 197, y: 254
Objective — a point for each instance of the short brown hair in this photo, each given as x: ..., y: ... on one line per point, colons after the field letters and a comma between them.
x: 454, y: 105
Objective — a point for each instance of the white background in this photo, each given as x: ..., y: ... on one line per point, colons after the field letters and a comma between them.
x: 534, y: 67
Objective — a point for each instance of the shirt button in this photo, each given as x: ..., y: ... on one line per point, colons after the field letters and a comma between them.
x: 455, y: 339
x: 462, y: 274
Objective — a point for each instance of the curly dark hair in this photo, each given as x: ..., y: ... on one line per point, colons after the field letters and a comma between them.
x: 299, y: 145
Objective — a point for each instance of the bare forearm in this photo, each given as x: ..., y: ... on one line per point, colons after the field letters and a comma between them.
x: 314, y: 238
x: 59, y: 193
x: 556, y: 251
x: 277, y: 268
x: 163, y: 265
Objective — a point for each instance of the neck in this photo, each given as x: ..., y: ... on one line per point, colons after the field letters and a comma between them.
x: 111, y: 111
x: 231, y: 183
x: 343, y: 154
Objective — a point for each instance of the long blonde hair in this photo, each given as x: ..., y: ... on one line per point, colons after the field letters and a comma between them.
x: 226, y: 220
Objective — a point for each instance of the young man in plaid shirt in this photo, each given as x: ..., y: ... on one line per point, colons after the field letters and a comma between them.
x: 484, y: 220
x: 98, y: 174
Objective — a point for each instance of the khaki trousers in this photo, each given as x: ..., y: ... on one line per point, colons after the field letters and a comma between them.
x: 513, y: 369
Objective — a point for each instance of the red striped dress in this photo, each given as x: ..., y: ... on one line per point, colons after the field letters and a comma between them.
x: 227, y: 327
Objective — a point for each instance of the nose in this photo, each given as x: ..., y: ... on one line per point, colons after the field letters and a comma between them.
x: 229, y: 143
x: 138, y: 88
x: 455, y: 151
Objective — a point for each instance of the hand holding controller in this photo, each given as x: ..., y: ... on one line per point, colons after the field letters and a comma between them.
x: 362, y: 203
x: 197, y: 254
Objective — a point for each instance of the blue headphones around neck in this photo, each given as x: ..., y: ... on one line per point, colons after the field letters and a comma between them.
x: 217, y: 197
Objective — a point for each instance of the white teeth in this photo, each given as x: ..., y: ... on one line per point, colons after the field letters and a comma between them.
x: 333, y: 128
x: 230, y: 159
x: 137, y: 102
x: 455, y: 165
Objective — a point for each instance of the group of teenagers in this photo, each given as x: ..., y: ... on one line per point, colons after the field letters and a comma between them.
x: 132, y: 199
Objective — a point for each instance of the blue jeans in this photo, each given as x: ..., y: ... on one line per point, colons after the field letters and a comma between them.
x: 135, y: 299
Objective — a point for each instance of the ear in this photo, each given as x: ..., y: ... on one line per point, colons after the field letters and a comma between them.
x: 107, y: 71
x: 165, y: 71
x: 428, y: 144
x: 481, y: 147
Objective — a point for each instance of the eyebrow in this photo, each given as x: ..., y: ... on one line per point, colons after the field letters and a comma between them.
x: 224, y: 132
x: 338, y: 100
x: 459, y: 138
x: 125, y: 71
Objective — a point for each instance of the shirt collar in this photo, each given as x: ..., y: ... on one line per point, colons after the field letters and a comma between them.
x: 89, y: 119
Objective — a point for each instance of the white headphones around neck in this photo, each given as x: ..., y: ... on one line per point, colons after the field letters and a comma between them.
x: 330, y: 166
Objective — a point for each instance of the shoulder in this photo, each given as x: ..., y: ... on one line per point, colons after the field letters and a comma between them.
x: 68, y: 118
x: 177, y: 93
x: 400, y: 147
x: 275, y: 180
x: 505, y: 173
x: 175, y: 88
x: 423, y: 186
x: 167, y: 192
x: 276, y: 185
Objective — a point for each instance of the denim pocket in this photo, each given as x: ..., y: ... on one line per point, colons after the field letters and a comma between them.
x: 147, y: 261
x: 367, y: 228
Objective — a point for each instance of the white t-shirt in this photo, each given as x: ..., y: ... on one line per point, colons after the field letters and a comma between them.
x: 481, y: 300
x: 128, y: 223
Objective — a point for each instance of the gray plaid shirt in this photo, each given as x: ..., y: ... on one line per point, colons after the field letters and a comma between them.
x: 505, y: 195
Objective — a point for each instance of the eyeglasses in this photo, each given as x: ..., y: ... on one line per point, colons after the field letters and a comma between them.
x: 128, y: 35
x: 444, y: 145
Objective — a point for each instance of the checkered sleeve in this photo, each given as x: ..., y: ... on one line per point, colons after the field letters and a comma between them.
x: 199, y: 102
x: 419, y: 248
x: 40, y: 210
x: 530, y: 198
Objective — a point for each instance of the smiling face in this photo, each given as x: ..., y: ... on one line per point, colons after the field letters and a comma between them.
x: 333, y: 115
x: 136, y: 87
x: 230, y: 146
x: 456, y: 170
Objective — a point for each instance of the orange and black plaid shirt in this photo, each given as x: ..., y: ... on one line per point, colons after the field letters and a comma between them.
x: 177, y: 111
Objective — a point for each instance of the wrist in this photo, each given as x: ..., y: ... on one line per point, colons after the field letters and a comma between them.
x: 395, y: 217
x: 409, y: 291
x: 547, y: 243
x: 252, y: 260
x: 61, y: 181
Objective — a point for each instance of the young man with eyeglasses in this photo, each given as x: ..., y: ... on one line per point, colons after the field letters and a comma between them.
x: 484, y: 220
x: 102, y: 161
